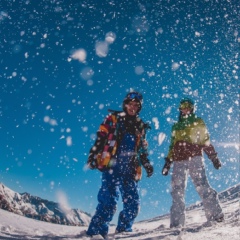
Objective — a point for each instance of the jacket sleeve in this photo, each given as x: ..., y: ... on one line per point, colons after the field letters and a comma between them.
x: 210, y: 151
x: 102, y: 135
x: 201, y: 132
x: 207, y: 146
x: 143, y: 143
x: 144, y: 152
x: 172, y: 142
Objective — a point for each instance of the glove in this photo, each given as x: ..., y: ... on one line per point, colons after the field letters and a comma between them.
x: 149, y: 169
x: 146, y: 164
x: 216, y: 162
x: 92, y: 162
x: 166, y: 166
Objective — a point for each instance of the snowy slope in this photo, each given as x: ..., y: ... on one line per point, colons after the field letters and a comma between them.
x: 14, y: 226
x: 40, y: 209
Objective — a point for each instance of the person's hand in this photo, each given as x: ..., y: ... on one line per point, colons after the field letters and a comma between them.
x: 216, y: 162
x: 146, y: 164
x: 166, y: 167
x: 149, y: 169
x: 92, y: 162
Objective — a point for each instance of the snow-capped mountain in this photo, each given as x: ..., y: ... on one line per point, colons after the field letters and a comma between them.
x: 34, y: 207
x: 227, y: 195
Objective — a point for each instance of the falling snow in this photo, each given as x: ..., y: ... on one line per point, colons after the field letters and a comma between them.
x: 65, y: 63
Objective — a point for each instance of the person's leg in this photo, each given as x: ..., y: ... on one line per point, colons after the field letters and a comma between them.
x: 131, y: 205
x: 209, y: 196
x: 107, y: 198
x: 179, y: 182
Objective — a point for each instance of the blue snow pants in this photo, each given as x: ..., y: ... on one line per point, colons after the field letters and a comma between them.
x: 108, y: 196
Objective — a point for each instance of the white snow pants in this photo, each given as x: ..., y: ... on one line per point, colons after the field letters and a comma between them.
x: 195, y: 168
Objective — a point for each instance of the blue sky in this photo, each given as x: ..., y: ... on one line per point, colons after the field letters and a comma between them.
x: 64, y: 63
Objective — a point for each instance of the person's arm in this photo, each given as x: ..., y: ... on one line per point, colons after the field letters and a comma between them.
x: 212, y: 155
x: 100, y: 142
x: 166, y: 166
x: 172, y: 142
x: 146, y: 164
x: 169, y: 159
x: 210, y: 150
x: 144, y: 156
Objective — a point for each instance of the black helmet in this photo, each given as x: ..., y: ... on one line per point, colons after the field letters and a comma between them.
x: 133, y: 96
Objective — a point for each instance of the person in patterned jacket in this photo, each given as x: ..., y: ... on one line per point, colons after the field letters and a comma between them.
x: 190, y: 138
x: 119, y: 152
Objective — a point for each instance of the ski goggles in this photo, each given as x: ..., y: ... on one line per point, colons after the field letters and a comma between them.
x: 185, y: 105
x: 135, y: 95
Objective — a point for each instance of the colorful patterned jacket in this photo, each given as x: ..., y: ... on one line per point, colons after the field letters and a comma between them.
x: 190, y: 138
x: 109, y: 137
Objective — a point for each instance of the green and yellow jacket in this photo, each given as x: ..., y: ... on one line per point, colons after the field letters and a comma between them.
x: 189, y: 138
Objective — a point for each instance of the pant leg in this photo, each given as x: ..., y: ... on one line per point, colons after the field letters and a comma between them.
x: 131, y: 205
x: 209, y: 196
x: 107, y: 204
x: 179, y: 183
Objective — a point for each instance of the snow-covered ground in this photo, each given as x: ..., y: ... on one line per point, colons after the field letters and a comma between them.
x: 14, y: 226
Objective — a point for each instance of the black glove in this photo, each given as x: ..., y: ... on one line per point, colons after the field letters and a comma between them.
x: 149, y: 169
x: 92, y: 162
x: 216, y: 162
x: 166, y: 166
x: 146, y: 164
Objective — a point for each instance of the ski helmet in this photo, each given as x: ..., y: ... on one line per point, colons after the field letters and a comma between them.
x: 186, y: 103
x: 133, y: 96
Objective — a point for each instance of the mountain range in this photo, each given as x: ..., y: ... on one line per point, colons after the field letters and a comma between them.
x: 40, y: 209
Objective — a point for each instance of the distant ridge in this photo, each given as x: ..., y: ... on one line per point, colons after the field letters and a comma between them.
x: 224, y: 196
x: 34, y: 207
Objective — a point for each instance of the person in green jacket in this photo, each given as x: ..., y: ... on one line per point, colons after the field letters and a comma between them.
x: 190, y: 138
